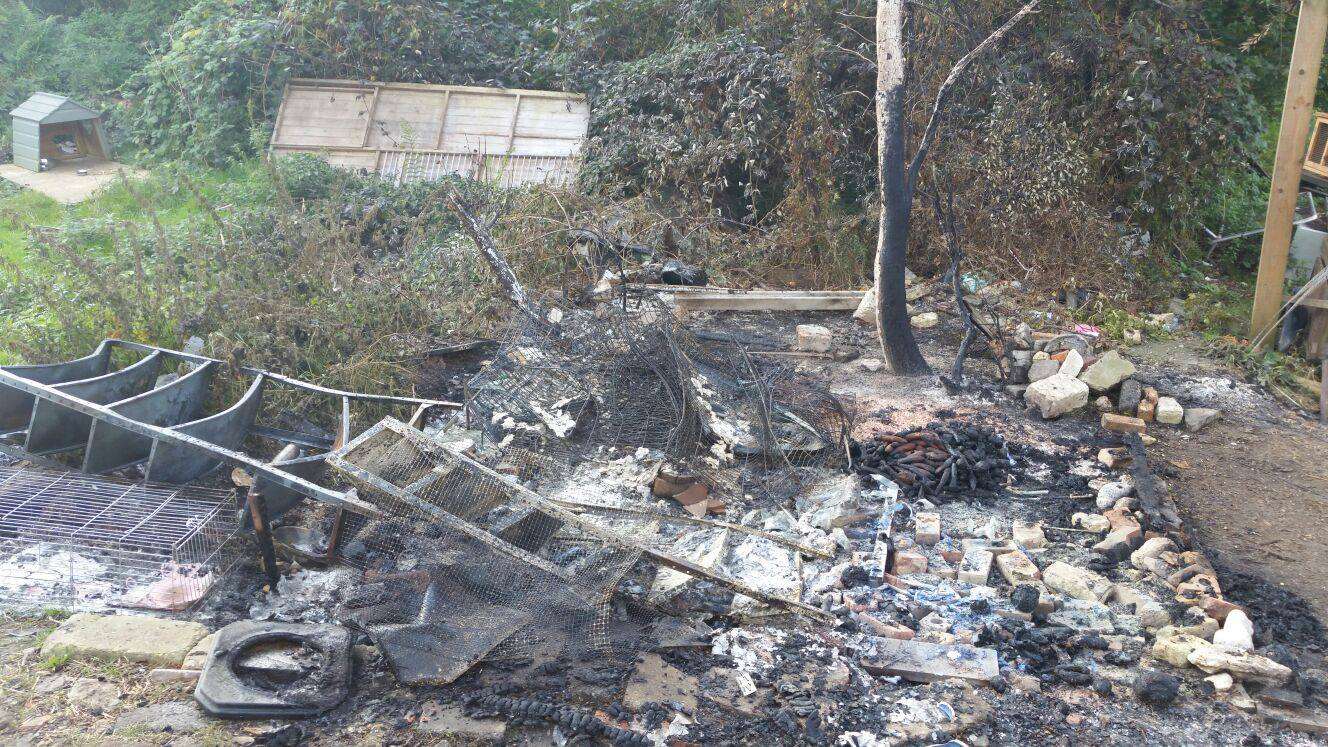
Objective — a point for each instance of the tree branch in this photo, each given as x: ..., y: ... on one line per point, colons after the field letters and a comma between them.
x: 489, y: 249
x: 943, y: 93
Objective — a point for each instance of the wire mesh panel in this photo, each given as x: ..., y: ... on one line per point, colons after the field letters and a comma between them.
x: 465, y: 569
x: 79, y: 541
x: 633, y: 381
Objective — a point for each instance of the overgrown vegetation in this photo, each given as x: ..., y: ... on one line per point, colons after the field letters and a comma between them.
x: 307, y: 270
x: 1090, y: 149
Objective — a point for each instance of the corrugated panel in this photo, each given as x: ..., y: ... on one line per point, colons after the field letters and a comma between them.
x: 51, y: 108
x: 414, y: 131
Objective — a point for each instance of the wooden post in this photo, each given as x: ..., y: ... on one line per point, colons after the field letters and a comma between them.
x: 1297, y: 110
x: 1323, y: 392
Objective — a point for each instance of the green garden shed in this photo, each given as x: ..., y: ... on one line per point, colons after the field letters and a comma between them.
x: 58, y: 129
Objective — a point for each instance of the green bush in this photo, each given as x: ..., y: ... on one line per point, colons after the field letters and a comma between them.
x: 76, y: 49
x: 220, y: 76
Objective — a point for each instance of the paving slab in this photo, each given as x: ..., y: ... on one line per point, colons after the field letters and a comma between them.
x: 64, y: 184
x: 657, y: 681
x: 147, y: 640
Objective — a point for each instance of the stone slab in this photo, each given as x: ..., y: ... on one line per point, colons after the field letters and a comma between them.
x: 64, y: 184
x: 450, y: 723
x: 163, y: 718
x: 656, y: 681
x: 146, y: 640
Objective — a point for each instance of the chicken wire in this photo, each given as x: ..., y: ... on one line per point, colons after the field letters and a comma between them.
x: 640, y: 381
x: 467, y: 564
x: 462, y: 566
x: 83, y: 542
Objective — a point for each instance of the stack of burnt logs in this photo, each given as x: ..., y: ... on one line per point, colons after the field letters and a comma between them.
x: 942, y: 462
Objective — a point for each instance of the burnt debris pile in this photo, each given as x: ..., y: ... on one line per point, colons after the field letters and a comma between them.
x: 943, y: 461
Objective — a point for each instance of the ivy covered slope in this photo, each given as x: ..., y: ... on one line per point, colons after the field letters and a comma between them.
x: 1096, y: 139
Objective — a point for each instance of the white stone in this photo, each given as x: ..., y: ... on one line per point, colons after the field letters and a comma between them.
x: 871, y: 364
x: 1150, y: 549
x: 1198, y: 417
x: 1176, y: 649
x: 1237, y: 632
x: 1151, y: 614
x: 1030, y: 536
x: 1242, y: 666
x: 1109, y: 370
x: 1221, y: 682
x: 925, y: 320
x: 1076, y: 582
x: 1057, y: 395
x: 866, y: 313
x: 813, y: 338
x: 1169, y: 411
x: 1091, y: 522
x: 1108, y: 494
x: 1073, y: 364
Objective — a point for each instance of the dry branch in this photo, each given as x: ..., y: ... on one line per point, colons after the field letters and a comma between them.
x: 484, y: 241
x: 956, y: 72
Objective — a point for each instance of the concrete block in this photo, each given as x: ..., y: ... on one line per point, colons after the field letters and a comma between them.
x: 1057, y: 395
x: 1169, y: 411
x: 813, y: 338
x: 146, y: 640
x: 927, y: 528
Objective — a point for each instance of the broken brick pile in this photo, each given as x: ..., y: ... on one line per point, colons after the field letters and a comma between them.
x: 1057, y: 374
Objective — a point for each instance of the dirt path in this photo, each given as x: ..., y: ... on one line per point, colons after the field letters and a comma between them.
x: 1256, y: 495
x: 1253, y: 487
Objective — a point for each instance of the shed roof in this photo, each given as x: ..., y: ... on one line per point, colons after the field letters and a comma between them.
x: 52, y: 108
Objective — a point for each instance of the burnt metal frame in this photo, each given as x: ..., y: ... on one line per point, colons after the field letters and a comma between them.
x: 285, y: 479
x: 349, y: 499
x: 519, y: 493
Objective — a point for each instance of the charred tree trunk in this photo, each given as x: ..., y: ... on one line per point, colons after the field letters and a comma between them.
x: 898, y: 180
x: 897, y: 341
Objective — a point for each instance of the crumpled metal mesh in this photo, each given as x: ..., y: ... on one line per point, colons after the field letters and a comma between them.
x: 467, y: 566
x: 463, y: 567
x: 640, y: 380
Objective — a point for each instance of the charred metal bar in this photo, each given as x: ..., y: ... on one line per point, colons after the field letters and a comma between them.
x: 361, y: 396
x: 531, y: 498
x: 348, y: 499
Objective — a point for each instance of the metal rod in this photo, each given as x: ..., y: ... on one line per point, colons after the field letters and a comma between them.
x: 102, y: 512
x: 126, y: 535
x: 128, y: 345
x: 347, y: 499
x: 33, y: 497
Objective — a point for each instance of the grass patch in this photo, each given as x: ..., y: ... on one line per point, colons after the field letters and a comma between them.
x: 170, y: 196
x: 54, y: 662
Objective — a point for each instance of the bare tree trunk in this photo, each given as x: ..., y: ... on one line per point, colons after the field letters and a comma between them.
x: 897, y: 342
x: 471, y: 224
x: 898, y: 179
